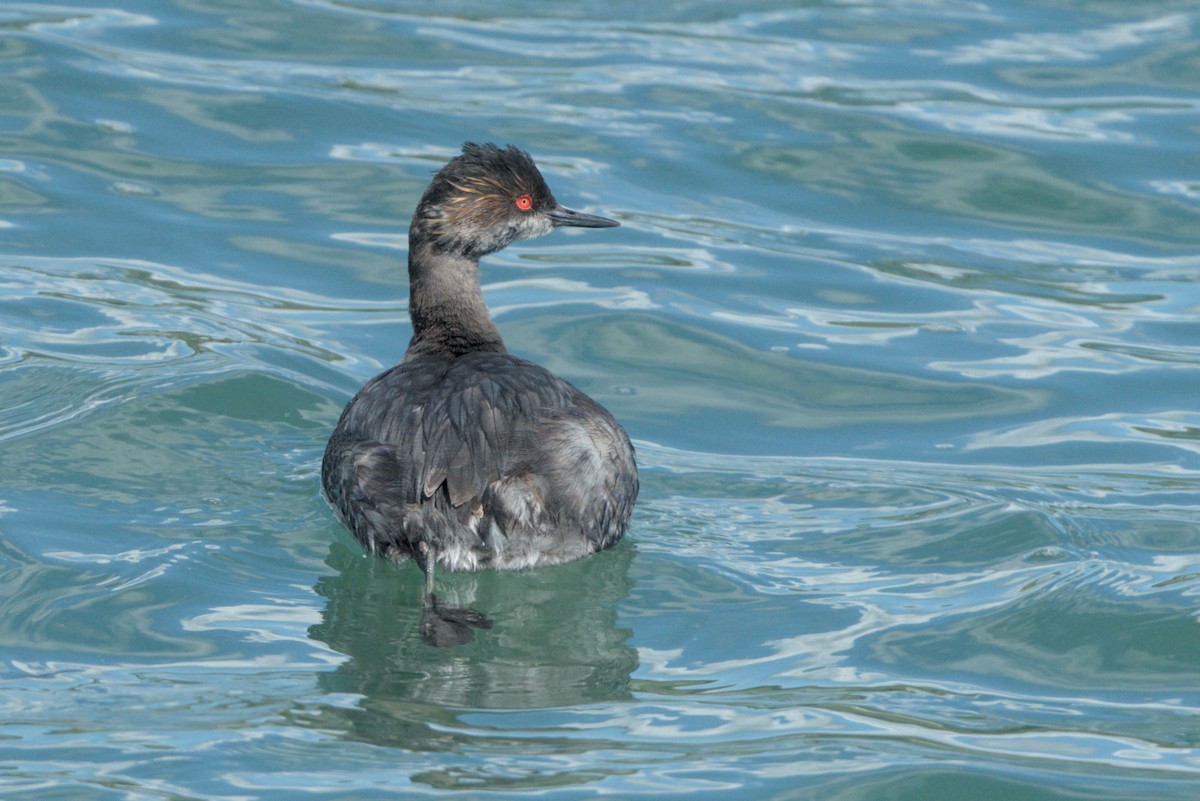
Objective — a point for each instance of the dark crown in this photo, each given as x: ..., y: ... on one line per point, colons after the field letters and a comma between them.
x: 470, y: 207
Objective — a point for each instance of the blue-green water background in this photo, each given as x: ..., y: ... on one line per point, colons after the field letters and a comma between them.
x: 903, y: 318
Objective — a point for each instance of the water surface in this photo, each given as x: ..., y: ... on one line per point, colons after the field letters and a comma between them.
x: 901, y: 317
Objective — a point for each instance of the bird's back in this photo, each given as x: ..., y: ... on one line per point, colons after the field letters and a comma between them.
x: 499, y: 460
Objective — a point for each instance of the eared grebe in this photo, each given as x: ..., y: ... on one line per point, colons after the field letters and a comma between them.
x: 463, y: 454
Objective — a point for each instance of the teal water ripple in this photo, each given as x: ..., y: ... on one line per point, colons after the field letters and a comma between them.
x: 901, y: 316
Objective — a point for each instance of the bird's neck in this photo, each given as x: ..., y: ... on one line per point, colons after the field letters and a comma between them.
x: 446, y: 306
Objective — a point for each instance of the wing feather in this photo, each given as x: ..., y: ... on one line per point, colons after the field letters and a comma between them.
x: 457, y: 424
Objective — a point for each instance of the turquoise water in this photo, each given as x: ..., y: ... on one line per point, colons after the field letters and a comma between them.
x: 902, y: 317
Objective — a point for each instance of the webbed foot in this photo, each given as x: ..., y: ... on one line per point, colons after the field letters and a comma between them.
x: 444, y: 626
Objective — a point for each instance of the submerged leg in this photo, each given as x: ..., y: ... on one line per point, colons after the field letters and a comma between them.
x: 443, y: 625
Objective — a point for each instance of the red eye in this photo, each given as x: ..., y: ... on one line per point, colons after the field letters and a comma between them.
x: 524, y: 203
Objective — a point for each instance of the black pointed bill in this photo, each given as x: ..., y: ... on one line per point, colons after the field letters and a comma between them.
x: 561, y: 216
